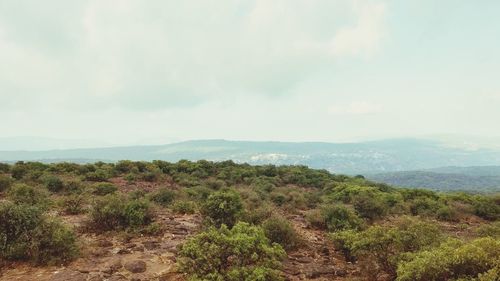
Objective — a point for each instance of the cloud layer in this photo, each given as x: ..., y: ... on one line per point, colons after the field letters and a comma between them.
x: 130, y: 71
x: 160, y: 54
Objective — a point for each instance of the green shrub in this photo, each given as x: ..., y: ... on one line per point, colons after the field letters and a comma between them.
x: 447, y: 213
x: 25, y: 234
x: 370, y: 207
x: 53, y: 183
x: 334, y: 218
x: 74, y: 187
x: 55, y: 243
x: 99, y: 175
x: 104, y: 188
x: 130, y: 177
x: 163, y: 196
x: 258, y: 215
x: 4, y: 168
x: 18, y: 171
x: 184, y: 207
x: 486, y: 208
x: 424, y: 206
x: 279, y: 230
x: 137, y: 194
x: 452, y: 260
x: 278, y: 198
x: 199, y: 193
x: 117, y: 212
x: 26, y: 194
x: 73, y: 204
x: 153, y: 229
x: 340, y: 218
x: 137, y: 213
x: 223, y: 207
x: 492, y: 230
x: 240, y: 253
x: 382, y: 247
x: 5, y: 182
x: 316, y: 219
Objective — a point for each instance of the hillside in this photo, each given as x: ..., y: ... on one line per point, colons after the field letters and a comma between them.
x: 480, y: 179
x: 347, y: 158
x: 226, y: 221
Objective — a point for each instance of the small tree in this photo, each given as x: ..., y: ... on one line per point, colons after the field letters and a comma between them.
x: 5, y: 182
x: 26, y: 234
x: 240, y: 253
x: 223, y: 207
x: 280, y: 231
x: 53, y: 183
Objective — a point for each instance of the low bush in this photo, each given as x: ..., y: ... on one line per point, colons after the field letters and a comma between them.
x: 424, y: 206
x: 53, y: 183
x: 491, y: 230
x: 453, y: 260
x: 370, y: 206
x: 280, y: 231
x: 117, y: 212
x: 240, y: 253
x: 26, y: 234
x: 447, y: 213
x: 340, y: 218
x: 258, y: 215
x: 334, y: 218
x: 163, y: 196
x: 380, y: 248
x: 4, y: 168
x: 486, y: 208
x: 223, y: 207
x: 73, y: 204
x: 184, y: 207
x: 5, y: 182
x: 74, y: 187
x: 104, y: 188
x: 99, y: 175
x: 26, y: 194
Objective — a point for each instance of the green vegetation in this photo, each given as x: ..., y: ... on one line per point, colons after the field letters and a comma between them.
x: 104, y: 188
x: 223, y: 207
x: 240, y: 253
x: 279, y: 230
x: 118, y: 212
x: 184, y: 207
x: 163, y: 196
x: 454, y: 260
x: 334, y: 218
x: 383, y: 247
x: 27, y: 234
x: 244, y: 217
x: 5, y: 182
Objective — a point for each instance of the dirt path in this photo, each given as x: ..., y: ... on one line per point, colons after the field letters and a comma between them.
x: 317, y: 259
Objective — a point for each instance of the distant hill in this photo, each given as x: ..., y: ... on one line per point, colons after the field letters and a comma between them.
x: 349, y: 158
x: 485, y: 178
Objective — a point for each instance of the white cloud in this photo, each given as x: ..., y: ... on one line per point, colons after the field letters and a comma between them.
x: 162, y: 54
x: 364, y: 37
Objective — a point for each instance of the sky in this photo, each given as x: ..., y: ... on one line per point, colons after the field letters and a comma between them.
x: 159, y: 71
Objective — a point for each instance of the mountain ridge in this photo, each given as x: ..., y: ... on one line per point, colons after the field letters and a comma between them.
x: 351, y: 158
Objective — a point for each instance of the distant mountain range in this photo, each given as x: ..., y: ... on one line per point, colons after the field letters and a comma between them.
x: 349, y: 158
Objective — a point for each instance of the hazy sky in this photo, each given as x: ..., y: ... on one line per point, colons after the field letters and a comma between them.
x: 325, y: 70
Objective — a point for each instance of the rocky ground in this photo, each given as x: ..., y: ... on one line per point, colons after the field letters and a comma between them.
x: 317, y: 258
x: 115, y: 257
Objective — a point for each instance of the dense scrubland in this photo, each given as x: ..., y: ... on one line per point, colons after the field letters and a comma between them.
x: 255, y: 223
